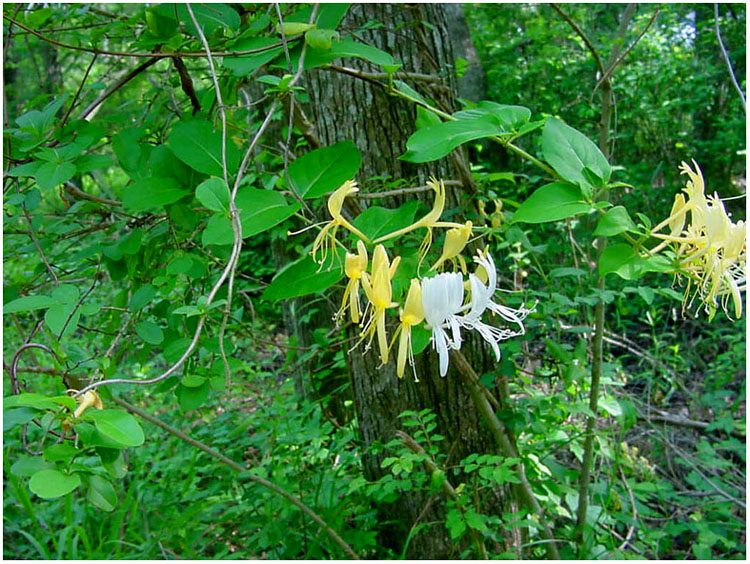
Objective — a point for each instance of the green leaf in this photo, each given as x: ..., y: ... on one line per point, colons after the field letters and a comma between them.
x: 50, y: 484
x: 27, y: 169
x: 376, y: 221
x: 209, y: 16
x: 614, y: 222
x: 117, y: 425
x: 213, y: 194
x: 509, y: 117
x: 142, y: 297
x: 262, y: 209
x: 196, y: 144
x: 218, y: 231
x: 66, y: 294
x: 301, y: 278
x: 475, y: 521
x: 62, y: 317
x: 611, y: 406
x: 18, y: 416
x: 50, y: 175
x: 324, y: 169
x: 153, y: 192
x: 192, y: 398
x: 38, y: 401
x: 320, y: 38
x: 622, y: 260
x: 149, y: 332
x: 246, y: 64
x: 568, y: 151
x: 87, y: 163
x: 28, y: 303
x: 436, y: 141
x: 347, y: 48
x: 552, y: 202
x: 128, y: 150
x: 63, y: 451
x: 28, y: 465
x: 102, y: 493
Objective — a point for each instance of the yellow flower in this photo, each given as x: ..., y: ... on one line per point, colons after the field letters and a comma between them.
x: 412, y: 314
x: 89, y: 399
x: 355, y: 267
x: 711, y: 249
x: 455, y: 241
x: 326, y: 239
x: 377, y: 288
x: 429, y: 221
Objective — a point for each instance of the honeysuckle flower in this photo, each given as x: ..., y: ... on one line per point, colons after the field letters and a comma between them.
x: 89, y: 399
x: 326, y: 239
x: 455, y: 241
x: 429, y: 221
x: 355, y: 267
x: 411, y: 314
x: 377, y: 287
x: 442, y: 299
x: 481, y: 300
x: 710, y: 248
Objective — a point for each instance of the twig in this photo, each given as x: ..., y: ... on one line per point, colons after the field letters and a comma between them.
x: 583, y: 36
x: 32, y: 235
x: 240, y: 468
x: 726, y: 58
x: 665, y: 417
x: 233, y: 211
x: 624, y: 54
x: 141, y: 55
x: 75, y: 191
x: 507, y: 448
x: 631, y: 530
x: 403, y: 191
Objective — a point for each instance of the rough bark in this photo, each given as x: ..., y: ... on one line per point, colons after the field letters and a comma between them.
x: 342, y: 107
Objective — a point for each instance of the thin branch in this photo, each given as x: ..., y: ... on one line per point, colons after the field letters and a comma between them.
x: 403, y: 191
x: 76, y: 192
x: 624, y: 54
x: 35, y: 240
x: 726, y: 58
x: 583, y: 36
x: 245, y: 470
x: 141, y: 55
x: 233, y: 211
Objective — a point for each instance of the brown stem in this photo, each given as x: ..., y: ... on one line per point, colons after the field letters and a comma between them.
x: 187, y: 83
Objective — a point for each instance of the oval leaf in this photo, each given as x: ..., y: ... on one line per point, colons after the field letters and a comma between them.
x: 569, y: 152
x: 300, y: 278
x: 152, y: 192
x: 49, y: 483
x: 613, y: 222
x: 28, y: 303
x: 149, y: 332
x: 197, y: 145
x: 118, y: 426
x: 552, y: 202
x: 101, y: 493
x: 325, y: 169
x: 214, y: 194
x: 436, y: 141
x: 262, y: 209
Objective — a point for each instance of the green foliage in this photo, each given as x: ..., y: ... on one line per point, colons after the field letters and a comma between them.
x: 119, y: 243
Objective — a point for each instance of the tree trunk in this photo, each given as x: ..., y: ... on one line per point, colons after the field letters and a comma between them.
x: 347, y: 108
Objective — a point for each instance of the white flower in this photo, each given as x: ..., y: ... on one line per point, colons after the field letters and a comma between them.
x: 481, y: 300
x: 442, y: 298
